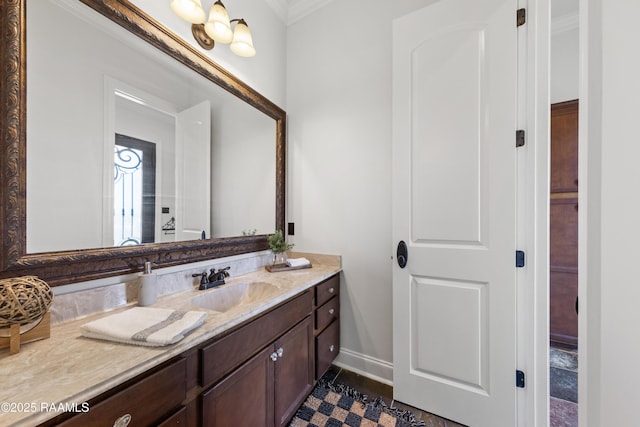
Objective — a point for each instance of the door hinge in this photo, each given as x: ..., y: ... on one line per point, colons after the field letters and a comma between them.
x: 521, y: 17
x: 520, y: 135
x: 519, y: 379
x: 519, y: 259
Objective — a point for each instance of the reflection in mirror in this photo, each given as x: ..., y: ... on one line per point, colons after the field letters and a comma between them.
x: 208, y: 158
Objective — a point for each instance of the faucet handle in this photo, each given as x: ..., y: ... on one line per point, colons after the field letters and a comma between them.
x: 225, y: 271
x: 203, y: 278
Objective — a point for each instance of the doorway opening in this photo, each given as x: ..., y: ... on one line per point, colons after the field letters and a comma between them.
x: 563, y: 214
x: 563, y: 261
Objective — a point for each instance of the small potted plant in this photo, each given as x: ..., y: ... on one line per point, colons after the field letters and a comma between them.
x: 279, y: 247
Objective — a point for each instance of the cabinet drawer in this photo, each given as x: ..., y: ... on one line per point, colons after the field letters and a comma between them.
x: 222, y: 356
x: 147, y: 401
x: 327, y: 347
x: 327, y: 313
x: 327, y: 289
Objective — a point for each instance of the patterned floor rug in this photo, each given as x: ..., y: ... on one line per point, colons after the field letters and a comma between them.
x: 336, y: 405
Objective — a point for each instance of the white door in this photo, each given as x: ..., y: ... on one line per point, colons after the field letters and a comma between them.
x: 454, y: 188
x: 193, y: 172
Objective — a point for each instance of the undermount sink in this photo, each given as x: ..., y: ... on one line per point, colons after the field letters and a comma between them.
x: 233, y: 295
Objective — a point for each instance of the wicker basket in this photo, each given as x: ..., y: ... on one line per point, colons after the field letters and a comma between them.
x: 23, y: 300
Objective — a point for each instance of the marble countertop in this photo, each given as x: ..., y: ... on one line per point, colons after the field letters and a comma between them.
x: 70, y: 369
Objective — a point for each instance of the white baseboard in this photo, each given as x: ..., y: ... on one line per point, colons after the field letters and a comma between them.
x: 367, y: 366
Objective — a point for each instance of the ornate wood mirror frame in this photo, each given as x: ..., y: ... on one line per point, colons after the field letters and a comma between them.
x: 65, y: 267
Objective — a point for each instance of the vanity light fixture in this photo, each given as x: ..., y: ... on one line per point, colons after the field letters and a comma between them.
x: 217, y: 28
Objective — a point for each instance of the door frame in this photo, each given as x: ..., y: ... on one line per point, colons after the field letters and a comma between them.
x: 589, y: 216
x: 116, y: 88
x: 533, y: 217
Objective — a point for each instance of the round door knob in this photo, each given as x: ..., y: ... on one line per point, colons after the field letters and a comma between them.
x: 123, y: 421
x: 331, y: 348
x: 331, y: 290
x: 331, y: 311
x: 280, y: 352
x: 274, y: 356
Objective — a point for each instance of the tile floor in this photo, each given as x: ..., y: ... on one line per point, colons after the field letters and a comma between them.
x: 563, y: 402
x: 563, y: 385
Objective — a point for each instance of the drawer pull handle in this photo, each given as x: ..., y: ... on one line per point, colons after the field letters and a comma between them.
x: 331, y: 290
x: 331, y: 348
x: 331, y: 311
x: 274, y: 356
x: 280, y: 352
x: 123, y: 421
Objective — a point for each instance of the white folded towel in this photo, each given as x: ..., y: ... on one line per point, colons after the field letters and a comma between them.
x: 298, y: 262
x: 147, y: 326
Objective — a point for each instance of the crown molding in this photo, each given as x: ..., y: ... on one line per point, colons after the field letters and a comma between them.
x: 565, y: 23
x: 291, y: 11
x: 298, y: 9
x: 281, y: 8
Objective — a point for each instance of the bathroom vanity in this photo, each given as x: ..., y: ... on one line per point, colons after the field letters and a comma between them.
x: 252, y: 365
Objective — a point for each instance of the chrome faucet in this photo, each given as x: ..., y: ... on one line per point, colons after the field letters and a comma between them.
x: 214, y: 279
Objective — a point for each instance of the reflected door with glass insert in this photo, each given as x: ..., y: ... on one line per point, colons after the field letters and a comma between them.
x: 134, y: 191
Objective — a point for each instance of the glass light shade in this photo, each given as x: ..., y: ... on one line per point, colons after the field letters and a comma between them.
x: 242, y: 44
x: 189, y: 10
x: 218, y: 26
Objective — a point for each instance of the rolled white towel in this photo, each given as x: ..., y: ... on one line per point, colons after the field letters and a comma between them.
x: 298, y: 262
x: 146, y: 326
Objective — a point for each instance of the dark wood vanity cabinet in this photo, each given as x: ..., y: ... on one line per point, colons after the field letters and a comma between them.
x: 327, y: 323
x: 256, y: 374
x: 264, y: 370
x: 267, y: 388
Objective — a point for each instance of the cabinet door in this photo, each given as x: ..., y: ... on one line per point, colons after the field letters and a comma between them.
x: 245, y: 397
x: 293, y: 370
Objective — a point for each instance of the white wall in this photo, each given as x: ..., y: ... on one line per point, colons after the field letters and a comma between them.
x: 339, y: 106
x: 565, y: 65
x: 244, y: 159
x: 611, y: 291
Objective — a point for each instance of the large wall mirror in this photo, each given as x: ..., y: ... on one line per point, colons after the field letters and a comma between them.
x: 122, y: 144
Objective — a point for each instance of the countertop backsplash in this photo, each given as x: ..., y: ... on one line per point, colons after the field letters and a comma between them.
x: 81, y: 300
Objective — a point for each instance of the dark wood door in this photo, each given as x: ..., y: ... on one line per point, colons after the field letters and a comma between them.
x: 564, y: 147
x: 564, y: 223
x: 245, y: 397
x: 293, y: 378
